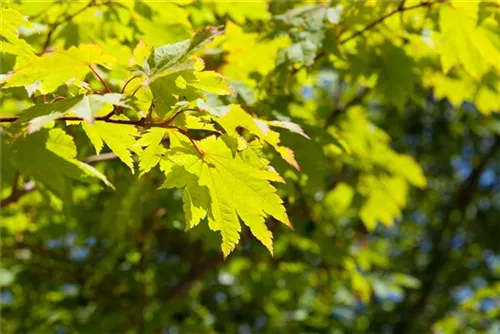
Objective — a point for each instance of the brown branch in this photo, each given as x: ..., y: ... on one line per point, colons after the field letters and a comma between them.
x: 127, y: 82
x: 135, y: 91
x: 171, y: 119
x: 111, y: 113
x: 400, y: 9
x: 140, y: 122
x: 30, y: 186
x: 9, y: 119
x: 100, y: 78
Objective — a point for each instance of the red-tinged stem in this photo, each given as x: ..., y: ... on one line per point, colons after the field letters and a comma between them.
x: 184, y: 132
x: 126, y: 83
x: 101, y: 79
x: 171, y: 119
x: 44, y: 98
x: 57, y: 98
x: 400, y: 9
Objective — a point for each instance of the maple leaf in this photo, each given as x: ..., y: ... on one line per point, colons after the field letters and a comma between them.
x: 57, y: 68
x: 177, y: 57
x: 151, y: 154
x: 234, y: 116
x: 49, y: 156
x: 119, y: 138
x: 224, y: 188
x: 10, y: 42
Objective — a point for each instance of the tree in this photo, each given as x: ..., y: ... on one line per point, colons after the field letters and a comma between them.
x: 219, y: 166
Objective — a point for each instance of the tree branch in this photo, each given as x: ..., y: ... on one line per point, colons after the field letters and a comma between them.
x: 100, y: 79
x: 141, y: 122
x: 400, y: 9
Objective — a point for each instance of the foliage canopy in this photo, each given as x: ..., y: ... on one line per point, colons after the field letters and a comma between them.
x: 356, y: 140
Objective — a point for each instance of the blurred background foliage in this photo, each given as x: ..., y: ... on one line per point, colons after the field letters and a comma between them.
x: 396, y: 207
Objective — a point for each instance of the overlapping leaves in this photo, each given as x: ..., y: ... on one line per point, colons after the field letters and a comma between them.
x: 221, y: 186
x: 225, y: 179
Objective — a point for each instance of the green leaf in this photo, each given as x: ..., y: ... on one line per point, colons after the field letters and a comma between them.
x: 172, y: 58
x: 396, y: 77
x: 31, y: 156
x: 236, y: 189
x: 295, y: 128
x: 167, y: 92
x: 84, y: 106
x: 385, y: 198
x: 305, y: 26
x: 196, y: 201
x: 57, y: 68
x: 118, y: 137
x: 236, y: 117
x: 203, y: 37
x: 49, y: 157
x: 10, y: 42
x: 151, y: 154
x: 41, y: 114
x: 91, y: 105
x: 63, y: 145
x: 212, y: 82
x: 467, y: 44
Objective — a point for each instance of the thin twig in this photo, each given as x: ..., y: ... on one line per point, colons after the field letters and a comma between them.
x: 57, y: 98
x: 100, y: 78
x: 108, y: 116
x: 140, y: 122
x: 184, y: 132
x: 400, y: 9
x: 171, y: 119
x: 126, y: 83
x: 135, y: 91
